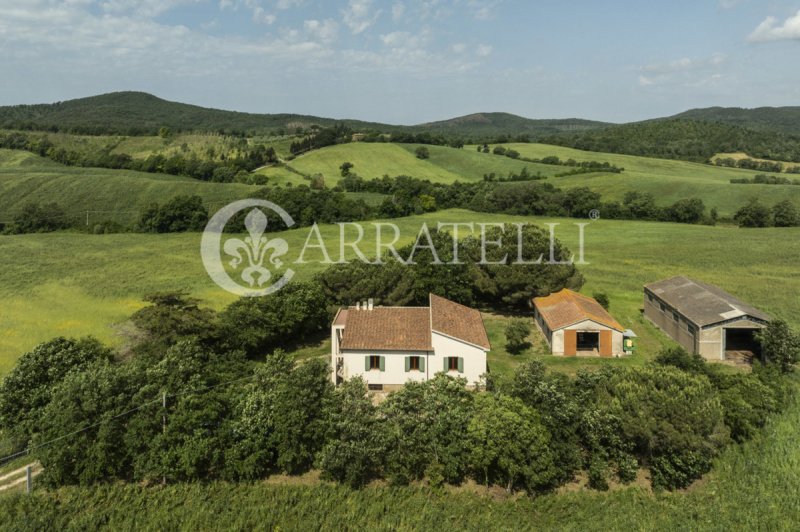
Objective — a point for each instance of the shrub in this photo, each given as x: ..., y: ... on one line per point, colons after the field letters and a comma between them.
x: 422, y: 152
x: 602, y: 298
x: 517, y: 332
x: 28, y: 388
x: 508, y: 444
x: 780, y: 345
x: 754, y: 214
x: 181, y: 213
x: 598, y: 474
x: 38, y: 218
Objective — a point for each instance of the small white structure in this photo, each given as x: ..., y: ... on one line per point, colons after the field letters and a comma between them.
x: 574, y: 324
x: 389, y: 346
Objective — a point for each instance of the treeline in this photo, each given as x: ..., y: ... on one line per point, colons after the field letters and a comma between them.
x: 752, y: 164
x: 414, y: 196
x: 756, y: 214
x: 682, y: 139
x: 321, y: 137
x: 406, y: 196
x: 765, y: 179
x: 581, y: 166
x: 184, y: 408
x: 226, y: 170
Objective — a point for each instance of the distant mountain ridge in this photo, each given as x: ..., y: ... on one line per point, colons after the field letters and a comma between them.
x: 697, y: 134
x: 778, y: 119
x: 137, y: 113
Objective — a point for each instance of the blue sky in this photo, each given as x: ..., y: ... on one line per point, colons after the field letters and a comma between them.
x: 408, y: 61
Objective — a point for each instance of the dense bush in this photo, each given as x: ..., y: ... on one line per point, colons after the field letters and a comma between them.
x: 181, y: 213
x: 39, y: 218
x: 28, y: 388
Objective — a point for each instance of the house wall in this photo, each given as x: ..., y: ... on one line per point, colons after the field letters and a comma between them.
x: 394, y: 367
x: 394, y: 374
x: 474, y: 357
x: 557, y: 342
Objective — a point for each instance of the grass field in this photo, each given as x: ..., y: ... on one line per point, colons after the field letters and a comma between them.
x: 74, y: 284
x: 753, y: 486
x: 445, y: 165
x: 667, y: 180
x: 25, y: 177
x: 738, y: 156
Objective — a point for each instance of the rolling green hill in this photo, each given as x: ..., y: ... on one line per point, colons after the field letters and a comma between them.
x: 121, y: 194
x: 667, y: 180
x: 781, y: 119
x: 683, y: 139
x: 137, y: 113
x: 445, y: 165
x: 495, y: 124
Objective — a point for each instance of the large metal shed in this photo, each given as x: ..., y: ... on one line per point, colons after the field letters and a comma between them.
x: 704, y: 319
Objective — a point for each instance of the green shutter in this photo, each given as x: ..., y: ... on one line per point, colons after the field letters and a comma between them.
x: 445, y: 363
x: 408, y: 364
x: 382, y: 363
x: 422, y: 363
x: 366, y: 363
x: 461, y: 364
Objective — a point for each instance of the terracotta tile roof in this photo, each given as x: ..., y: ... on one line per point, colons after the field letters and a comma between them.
x: 341, y: 317
x: 388, y: 328
x: 564, y: 308
x: 702, y: 303
x: 458, y: 321
x: 410, y: 328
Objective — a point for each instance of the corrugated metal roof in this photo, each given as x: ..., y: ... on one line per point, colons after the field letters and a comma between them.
x: 701, y: 303
x: 565, y: 307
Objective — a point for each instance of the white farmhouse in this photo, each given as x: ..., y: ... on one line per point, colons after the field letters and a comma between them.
x: 389, y: 346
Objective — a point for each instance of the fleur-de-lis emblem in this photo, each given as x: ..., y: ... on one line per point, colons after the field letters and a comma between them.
x: 255, y: 248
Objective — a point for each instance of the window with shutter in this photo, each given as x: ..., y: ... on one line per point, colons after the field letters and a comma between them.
x: 374, y: 362
x: 453, y: 364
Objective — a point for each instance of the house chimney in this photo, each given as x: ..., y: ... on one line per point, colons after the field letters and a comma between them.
x: 369, y: 304
x: 364, y: 305
x: 358, y: 305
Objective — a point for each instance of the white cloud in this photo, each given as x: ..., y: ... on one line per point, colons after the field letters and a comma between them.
x: 143, y: 8
x: 683, y: 71
x: 483, y: 50
x: 772, y: 30
x: 683, y: 64
x: 325, y: 30
x: 398, y: 9
x: 459, y: 48
x: 358, y: 15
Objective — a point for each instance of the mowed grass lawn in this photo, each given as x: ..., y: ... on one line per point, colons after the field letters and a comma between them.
x: 667, y: 180
x: 75, y: 284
